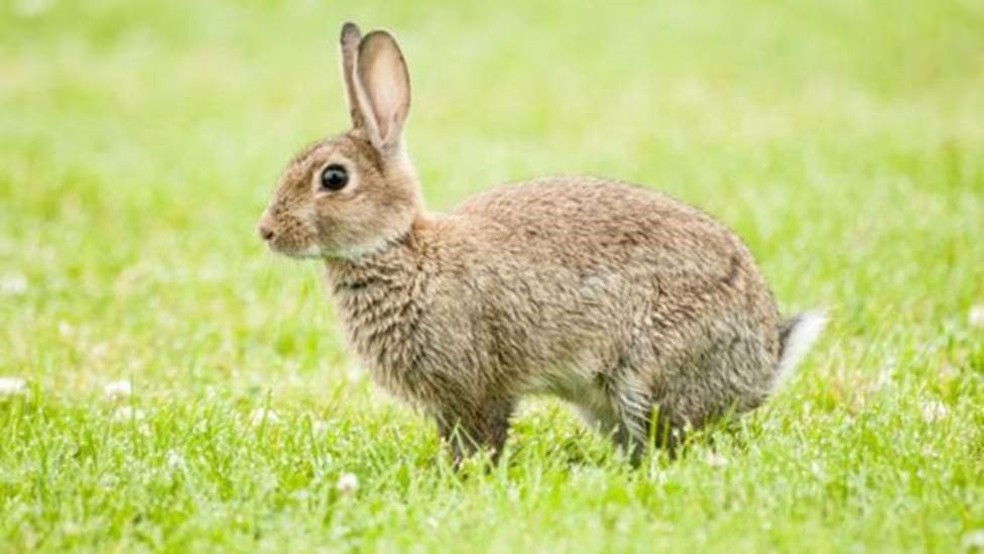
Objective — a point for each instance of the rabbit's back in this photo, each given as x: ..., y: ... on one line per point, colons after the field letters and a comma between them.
x: 598, y: 226
x: 569, y: 275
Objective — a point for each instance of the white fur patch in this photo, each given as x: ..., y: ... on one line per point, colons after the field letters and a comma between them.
x: 312, y: 251
x: 357, y: 252
x: 307, y: 215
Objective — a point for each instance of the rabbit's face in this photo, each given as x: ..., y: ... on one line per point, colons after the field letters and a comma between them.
x: 339, y: 198
x: 354, y: 193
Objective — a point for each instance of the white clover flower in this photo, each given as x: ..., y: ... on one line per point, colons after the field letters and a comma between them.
x: 118, y: 390
x: 128, y: 413
x: 355, y: 374
x: 976, y: 316
x: 13, y: 285
x: 108, y: 481
x: 973, y: 539
x: 263, y: 415
x: 347, y: 484
x: 319, y: 427
x: 12, y: 386
x: 32, y: 8
x: 174, y: 461
x: 886, y: 374
x: 934, y: 411
x: 99, y: 350
x: 714, y: 459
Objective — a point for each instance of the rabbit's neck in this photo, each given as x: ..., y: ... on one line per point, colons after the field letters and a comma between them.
x: 378, y: 300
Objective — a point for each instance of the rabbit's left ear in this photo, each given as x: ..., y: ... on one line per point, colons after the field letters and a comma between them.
x: 382, y: 85
x: 349, y: 45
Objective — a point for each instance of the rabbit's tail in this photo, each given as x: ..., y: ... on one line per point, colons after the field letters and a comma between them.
x: 796, y: 335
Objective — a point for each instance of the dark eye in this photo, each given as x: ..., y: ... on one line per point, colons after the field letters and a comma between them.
x: 334, y: 177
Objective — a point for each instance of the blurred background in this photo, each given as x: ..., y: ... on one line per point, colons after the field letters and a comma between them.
x: 139, y: 142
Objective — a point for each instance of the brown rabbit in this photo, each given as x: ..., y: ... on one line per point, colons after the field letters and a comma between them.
x: 646, y: 314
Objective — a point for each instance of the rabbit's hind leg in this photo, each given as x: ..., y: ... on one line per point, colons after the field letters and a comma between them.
x: 624, y: 416
x: 646, y: 420
x: 607, y: 422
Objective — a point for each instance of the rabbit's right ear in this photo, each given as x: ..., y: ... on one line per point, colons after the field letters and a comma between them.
x: 382, y: 86
x: 349, y: 44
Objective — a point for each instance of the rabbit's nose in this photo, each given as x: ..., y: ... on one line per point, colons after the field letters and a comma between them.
x: 266, y: 232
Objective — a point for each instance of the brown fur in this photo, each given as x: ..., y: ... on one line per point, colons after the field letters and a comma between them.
x: 628, y: 304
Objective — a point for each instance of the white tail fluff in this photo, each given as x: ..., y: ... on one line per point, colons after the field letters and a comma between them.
x: 796, y: 335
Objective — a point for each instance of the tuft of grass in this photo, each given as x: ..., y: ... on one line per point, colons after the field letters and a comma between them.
x: 139, y: 141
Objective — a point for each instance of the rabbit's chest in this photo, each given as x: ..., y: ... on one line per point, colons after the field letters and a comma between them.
x: 381, y: 324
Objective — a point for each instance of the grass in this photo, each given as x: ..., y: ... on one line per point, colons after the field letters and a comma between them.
x: 139, y: 141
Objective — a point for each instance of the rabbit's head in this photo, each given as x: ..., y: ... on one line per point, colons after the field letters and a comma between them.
x: 355, y: 192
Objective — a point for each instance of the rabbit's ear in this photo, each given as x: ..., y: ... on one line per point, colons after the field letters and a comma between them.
x: 349, y: 44
x: 383, y: 88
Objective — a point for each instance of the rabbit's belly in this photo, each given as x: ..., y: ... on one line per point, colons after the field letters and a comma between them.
x: 580, y: 382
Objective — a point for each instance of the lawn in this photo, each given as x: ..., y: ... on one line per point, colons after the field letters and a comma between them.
x: 168, y: 385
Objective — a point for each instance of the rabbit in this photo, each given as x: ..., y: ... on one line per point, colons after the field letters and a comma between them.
x: 647, y: 315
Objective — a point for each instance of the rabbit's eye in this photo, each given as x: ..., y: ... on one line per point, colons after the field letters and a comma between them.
x: 334, y: 177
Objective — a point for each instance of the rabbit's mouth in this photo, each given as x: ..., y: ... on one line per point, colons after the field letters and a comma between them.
x: 310, y: 251
x: 283, y: 238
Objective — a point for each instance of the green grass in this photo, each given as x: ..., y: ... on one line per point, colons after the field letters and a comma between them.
x: 138, y: 143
